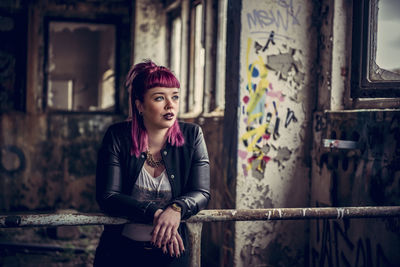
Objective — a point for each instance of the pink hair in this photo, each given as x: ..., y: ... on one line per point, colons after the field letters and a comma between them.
x: 142, y: 77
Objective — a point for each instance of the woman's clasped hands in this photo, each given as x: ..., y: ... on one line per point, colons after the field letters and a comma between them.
x: 165, y: 233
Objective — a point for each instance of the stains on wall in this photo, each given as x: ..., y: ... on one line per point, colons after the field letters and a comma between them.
x: 366, y: 176
x: 150, y: 21
x: 53, y: 168
x: 274, y: 254
x: 12, y: 160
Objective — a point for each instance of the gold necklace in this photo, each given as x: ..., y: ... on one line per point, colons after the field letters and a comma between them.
x: 151, y: 162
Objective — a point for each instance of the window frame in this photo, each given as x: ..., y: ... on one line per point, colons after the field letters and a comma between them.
x: 109, y: 20
x: 363, y: 55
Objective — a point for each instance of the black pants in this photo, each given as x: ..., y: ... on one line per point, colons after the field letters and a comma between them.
x: 123, y: 252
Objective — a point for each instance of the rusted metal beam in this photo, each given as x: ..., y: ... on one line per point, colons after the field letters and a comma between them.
x: 31, y: 220
x: 196, y: 222
x: 295, y: 214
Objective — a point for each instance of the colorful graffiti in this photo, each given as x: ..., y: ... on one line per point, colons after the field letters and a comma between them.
x: 262, y: 110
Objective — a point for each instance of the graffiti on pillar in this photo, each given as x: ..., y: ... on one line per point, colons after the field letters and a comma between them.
x: 273, y: 79
x: 283, y: 16
x: 263, y: 115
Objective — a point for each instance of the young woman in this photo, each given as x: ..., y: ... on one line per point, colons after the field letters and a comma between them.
x: 152, y: 170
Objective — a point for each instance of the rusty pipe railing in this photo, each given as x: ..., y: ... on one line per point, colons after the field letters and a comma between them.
x: 72, y: 218
x: 195, y: 223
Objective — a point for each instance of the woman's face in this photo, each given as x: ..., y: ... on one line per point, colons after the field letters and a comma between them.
x: 159, y: 108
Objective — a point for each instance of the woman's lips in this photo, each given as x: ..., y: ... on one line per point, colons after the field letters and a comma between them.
x: 168, y: 116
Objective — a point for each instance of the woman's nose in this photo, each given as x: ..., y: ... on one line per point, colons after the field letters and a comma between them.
x: 168, y: 104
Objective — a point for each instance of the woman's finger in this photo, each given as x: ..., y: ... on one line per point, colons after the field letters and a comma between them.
x: 171, y: 248
x: 176, y: 248
x: 164, y: 249
x: 167, y: 235
x: 154, y: 234
x: 160, y: 236
x: 180, y: 243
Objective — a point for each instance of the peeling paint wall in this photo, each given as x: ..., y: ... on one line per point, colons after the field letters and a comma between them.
x: 277, y: 53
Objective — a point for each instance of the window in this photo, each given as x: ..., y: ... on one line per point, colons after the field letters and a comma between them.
x: 175, y: 50
x: 376, y: 46
x: 196, y: 81
x: 194, y: 53
x: 80, y: 66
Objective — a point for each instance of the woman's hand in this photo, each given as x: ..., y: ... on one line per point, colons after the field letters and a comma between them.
x: 175, y: 246
x: 166, y: 224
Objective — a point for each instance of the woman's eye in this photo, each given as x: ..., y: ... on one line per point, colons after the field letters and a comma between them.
x: 159, y: 98
x: 175, y: 97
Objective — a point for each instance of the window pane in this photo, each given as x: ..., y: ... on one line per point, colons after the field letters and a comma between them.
x: 176, y: 46
x: 388, y: 41
x: 196, y: 93
x: 81, y: 66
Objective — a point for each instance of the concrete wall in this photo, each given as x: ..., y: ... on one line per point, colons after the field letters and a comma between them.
x: 275, y: 102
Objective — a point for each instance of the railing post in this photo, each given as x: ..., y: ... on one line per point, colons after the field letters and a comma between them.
x: 195, y: 243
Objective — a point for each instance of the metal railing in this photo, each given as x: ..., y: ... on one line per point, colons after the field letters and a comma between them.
x: 195, y: 223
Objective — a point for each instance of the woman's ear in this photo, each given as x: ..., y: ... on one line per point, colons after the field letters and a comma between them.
x: 139, y: 106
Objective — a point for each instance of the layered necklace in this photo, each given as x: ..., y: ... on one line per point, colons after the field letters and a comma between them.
x: 151, y: 162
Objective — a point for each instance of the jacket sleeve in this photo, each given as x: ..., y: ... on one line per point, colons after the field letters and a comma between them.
x: 109, y: 182
x: 197, y: 192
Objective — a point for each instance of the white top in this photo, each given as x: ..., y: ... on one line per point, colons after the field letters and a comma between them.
x: 148, y: 188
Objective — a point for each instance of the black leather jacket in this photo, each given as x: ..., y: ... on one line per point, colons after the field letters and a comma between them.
x: 187, y: 168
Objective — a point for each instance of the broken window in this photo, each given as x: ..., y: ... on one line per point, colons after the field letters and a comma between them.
x: 80, y: 66
x: 376, y: 46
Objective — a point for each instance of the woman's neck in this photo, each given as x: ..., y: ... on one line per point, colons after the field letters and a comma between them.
x: 156, y: 140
